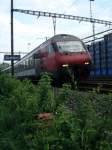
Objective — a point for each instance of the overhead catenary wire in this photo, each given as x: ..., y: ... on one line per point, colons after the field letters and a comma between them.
x: 94, y: 40
x: 62, y: 16
x: 97, y: 34
x: 14, y: 52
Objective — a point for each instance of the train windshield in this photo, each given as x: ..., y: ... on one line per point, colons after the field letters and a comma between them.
x: 70, y: 46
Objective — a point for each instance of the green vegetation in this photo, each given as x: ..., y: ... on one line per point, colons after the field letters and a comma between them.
x: 81, y: 121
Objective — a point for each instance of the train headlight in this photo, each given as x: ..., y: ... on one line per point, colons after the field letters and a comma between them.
x: 65, y: 65
x: 86, y: 63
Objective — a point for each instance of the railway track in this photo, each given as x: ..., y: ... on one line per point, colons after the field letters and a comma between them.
x: 98, y: 84
x: 103, y: 84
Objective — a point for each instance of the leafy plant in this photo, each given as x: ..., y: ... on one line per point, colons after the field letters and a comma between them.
x: 80, y: 121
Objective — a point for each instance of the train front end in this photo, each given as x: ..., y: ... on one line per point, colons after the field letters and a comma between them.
x: 72, y: 57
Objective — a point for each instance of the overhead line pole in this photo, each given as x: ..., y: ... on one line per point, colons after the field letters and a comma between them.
x: 12, y: 43
x: 93, y: 24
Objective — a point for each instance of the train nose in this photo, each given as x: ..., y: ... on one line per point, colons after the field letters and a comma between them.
x: 73, y: 59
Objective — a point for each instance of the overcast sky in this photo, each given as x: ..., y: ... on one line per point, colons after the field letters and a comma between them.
x: 30, y: 31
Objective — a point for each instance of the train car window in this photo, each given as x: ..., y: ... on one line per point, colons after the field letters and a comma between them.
x: 31, y: 61
x: 70, y: 46
x: 21, y: 65
x: 43, y: 50
x: 24, y: 63
x: 37, y: 55
x: 48, y: 49
x: 28, y: 63
x: 54, y: 47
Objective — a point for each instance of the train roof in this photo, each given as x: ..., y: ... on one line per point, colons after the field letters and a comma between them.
x: 64, y: 37
x: 55, y: 38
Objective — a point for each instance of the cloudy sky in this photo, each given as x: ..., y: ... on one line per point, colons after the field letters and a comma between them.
x: 30, y: 31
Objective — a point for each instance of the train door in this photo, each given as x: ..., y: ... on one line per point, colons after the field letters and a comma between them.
x: 49, y: 60
x: 38, y: 62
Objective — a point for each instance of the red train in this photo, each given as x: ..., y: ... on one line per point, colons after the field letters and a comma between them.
x: 54, y: 55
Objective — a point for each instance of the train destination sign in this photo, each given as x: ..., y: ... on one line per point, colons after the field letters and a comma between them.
x: 11, y: 57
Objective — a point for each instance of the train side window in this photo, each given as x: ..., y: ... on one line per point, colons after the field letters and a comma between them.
x: 49, y: 49
x: 21, y: 66
x: 36, y: 55
x: 31, y: 62
x: 24, y: 64
x: 54, y: 47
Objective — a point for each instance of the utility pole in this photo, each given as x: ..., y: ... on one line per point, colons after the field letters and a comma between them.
x: 54, y: 24
x: 93, y: 23
x: 12, y: 44
x: 93, y: 27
